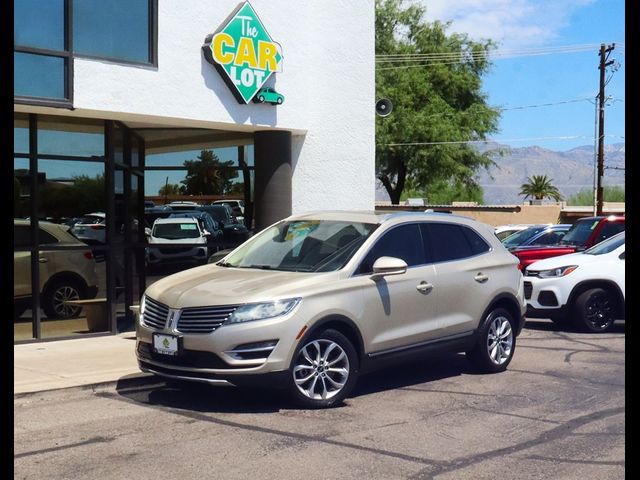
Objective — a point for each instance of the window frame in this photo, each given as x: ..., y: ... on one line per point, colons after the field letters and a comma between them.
x: 69, y: 55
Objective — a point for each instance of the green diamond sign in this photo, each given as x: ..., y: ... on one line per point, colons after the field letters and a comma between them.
x: 244, y: 53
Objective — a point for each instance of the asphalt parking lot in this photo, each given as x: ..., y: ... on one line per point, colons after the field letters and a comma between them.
x: 558, y: 412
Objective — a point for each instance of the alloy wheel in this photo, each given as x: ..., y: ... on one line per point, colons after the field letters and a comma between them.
x: 599, y: 312
x: 321, y: 369
x: 500, y: 340
x: 60, y: 296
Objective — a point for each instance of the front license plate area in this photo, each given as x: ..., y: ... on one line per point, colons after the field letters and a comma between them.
x: 167, y: 344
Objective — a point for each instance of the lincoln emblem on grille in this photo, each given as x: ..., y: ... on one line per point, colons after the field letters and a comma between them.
x: 173, y: 317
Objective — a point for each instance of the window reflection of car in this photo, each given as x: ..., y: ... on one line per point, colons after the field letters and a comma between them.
x: 177, y: 240
x: 91, y: 229
x: 64, y: 274
x: 207, y: 223
x: 235, y: 232
x: 537, y: 235
x: 237, y: 207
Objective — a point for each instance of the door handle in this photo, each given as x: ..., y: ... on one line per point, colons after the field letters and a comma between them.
x: 481, y: 278
x: 424, y: 287
x: 42, y: 260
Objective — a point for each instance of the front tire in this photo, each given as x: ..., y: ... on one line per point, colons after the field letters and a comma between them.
x: 323, y: 371
x: 57, y: 293
x: 594, y: 311
x: 496, y: 342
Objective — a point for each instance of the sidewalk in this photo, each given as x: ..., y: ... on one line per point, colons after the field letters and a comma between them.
x: 74, y: 363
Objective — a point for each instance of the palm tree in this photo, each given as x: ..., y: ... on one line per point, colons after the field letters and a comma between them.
x: 539, y: 187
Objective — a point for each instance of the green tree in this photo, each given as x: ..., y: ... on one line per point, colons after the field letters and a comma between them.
x: 445, y: 192
x: 434, y: 101
x: 208, y: 175
x: 539, y: 187
x: 585, y: 196
x: 169, y: 189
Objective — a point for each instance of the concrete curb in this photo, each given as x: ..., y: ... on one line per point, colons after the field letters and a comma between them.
x: 136, y: 380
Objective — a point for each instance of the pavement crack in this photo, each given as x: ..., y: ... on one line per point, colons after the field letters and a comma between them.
x: 548, y: 436
x: 271, y: 431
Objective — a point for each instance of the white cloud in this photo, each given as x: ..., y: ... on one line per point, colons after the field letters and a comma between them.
x: 511, y: 23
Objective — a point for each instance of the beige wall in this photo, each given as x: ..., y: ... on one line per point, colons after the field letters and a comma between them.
x: 527, y: 214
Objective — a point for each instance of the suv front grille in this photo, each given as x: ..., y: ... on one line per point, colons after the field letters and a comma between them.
x: 528, y: 288
x: 204, y: 319
x: 155, y: 314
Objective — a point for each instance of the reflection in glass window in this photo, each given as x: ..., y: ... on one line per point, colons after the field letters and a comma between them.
x: 178, y: 157
x: 70, y: 136
x: 38, y: 76
x: 39, y: 23
x: 22, y: 317
x: 116, y: 29
x: 21, y: 188
x: 70, y: 189
x: 20, y: 133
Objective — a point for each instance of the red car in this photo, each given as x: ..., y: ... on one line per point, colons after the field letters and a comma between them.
x: 584, y: 234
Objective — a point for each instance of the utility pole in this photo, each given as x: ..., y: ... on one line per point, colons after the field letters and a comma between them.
x: 604, y: 63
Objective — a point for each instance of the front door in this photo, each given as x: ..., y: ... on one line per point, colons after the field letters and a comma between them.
x: 399, y: 310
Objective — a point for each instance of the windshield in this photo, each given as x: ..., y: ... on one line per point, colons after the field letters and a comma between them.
x: 176, y: 231
x: 579, y: 232
x: 522, y: 236
x: 302, y: 246
x: 607, y: 246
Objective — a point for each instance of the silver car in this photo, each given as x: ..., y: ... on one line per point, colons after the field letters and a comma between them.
x: 314, y: 300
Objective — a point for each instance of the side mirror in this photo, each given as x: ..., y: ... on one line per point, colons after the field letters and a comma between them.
x: 147, y: 231
x: 389, y: 266
x: 206, y: 233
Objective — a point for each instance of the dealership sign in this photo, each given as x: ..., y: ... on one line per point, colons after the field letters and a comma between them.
x: 244, y: 53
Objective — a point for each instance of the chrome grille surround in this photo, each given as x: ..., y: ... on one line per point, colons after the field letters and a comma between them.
x: 155, y: 314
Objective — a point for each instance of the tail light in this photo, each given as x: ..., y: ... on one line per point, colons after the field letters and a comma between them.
x: 88, y: 255
x: 97, y: 227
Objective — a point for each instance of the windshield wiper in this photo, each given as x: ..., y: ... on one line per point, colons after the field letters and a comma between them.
x: 261, y: 267
x: 224, y: 264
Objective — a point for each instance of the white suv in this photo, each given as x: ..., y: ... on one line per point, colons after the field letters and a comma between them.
x: 314, y: 300
x: 177, y: 240
x: 586, y: 287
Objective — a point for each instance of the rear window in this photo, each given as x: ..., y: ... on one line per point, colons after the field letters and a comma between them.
x: 447, y: 241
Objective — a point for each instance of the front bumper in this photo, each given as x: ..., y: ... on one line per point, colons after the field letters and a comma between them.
x: 546, y: 297
x: 209, y: 357
x: 157, y: 255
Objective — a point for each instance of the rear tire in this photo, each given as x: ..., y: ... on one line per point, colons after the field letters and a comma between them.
x: 323, y: 370
x: 594, y: 311
x: 496, y: 342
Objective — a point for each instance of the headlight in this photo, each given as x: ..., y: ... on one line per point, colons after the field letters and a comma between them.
x: 260, y: 311
x: 557, y: 272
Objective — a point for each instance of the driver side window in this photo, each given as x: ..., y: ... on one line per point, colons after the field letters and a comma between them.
x: 403, y: 242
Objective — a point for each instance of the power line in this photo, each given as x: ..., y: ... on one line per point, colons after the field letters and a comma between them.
x: 415, y: 144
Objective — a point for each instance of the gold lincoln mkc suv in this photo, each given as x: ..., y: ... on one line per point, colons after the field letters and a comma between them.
x: 316, y: 299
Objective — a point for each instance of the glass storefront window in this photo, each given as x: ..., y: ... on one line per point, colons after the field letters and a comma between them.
x: 38, y: 76
x: 21, y: 188
x: 22, y: 316
x: 71, y: 192
x: 116, y: 29
x: 39, y: 23
x: 20, y: 133
x: 70, y: 136
x: 69, y: 276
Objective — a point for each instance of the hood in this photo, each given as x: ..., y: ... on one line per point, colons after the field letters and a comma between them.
x: 177, y: 241
x: 564, y: 260
x: 213, y: 285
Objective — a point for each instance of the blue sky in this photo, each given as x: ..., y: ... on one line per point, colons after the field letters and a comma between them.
x: 534, y: 80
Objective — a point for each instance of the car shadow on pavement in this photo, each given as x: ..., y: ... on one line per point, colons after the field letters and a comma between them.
x: 549, y: 326
x: 419, y: 371
x: 200, y: 397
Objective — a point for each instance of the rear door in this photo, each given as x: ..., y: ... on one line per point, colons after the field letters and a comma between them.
x: 463, y: 282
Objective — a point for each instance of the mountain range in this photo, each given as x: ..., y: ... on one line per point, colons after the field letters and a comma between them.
x: 570, y: 171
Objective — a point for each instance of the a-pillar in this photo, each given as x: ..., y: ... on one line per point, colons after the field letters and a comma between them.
x: 272, y: 190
